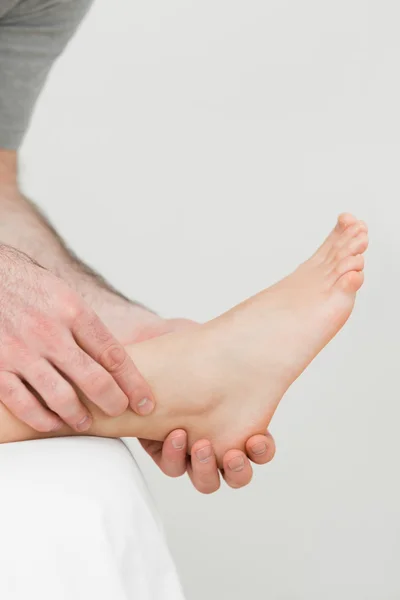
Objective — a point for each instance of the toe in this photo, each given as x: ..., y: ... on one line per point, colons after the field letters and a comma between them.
x: 364, y: 226
x: 237, y: 469
x: 349, y: 257
x: 353, y: 241
x: 351, y: 282
x: 344, y: 221
x: 347, y: 262
x: 346, y: 237
x: 350, y: 263
x: 359, y: 244
x: 355, y: 245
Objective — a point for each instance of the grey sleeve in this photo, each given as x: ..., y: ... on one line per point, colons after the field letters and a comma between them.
x: 33, y: 33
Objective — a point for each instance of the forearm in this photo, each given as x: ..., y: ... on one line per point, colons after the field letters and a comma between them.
x: 24, y: 227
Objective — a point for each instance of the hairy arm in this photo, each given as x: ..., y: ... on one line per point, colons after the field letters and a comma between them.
x: 24, y: 227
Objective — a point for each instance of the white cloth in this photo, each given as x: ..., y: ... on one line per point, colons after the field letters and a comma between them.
x: 76, y: 523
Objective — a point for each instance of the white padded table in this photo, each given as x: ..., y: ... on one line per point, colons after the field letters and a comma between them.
x: 76, y: 523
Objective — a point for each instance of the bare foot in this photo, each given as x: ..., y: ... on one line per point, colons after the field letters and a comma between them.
x: 246, y: 359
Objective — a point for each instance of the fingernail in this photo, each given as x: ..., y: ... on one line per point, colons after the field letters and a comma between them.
x: 84, y: 424
x: 236, y: 464
x: 145, y: 406
x: 178, y: 442
x: 259, y: 448
x: 204, y: 454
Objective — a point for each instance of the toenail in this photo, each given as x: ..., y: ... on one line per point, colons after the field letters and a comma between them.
x: 259, y: 448
x: 204, y: 454
x: 145, y: 406
x: 84, y: 424
x: 178, y: 441
x: 236, y: 464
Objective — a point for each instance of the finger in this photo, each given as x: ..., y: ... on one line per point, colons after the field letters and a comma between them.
x: 203, y: 470
x: 58, y: 394
x: 153, y: 449
x: 174, y: 453
x: 170, y: 455
x: 95, y: 339
x: 94, y: 381
x: 237, y: 470
x: 261, y: 448
x: 23, y: 405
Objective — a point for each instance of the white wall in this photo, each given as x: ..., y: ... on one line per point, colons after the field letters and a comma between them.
x: 194, y: 152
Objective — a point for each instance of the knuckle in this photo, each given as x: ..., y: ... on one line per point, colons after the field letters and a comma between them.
x: 75, y: 357
x: 71, y: 307
x: 47, y: 382
x: 65, y: 402
x: 39, y: 323
x: 9, y: 387
x: 53, y: 345
x: 93, y: 327
x: 98, y: 382
x: 23, y: 407
x: 113, y: 358
x: 9, y: 342
x: 99, y: 331
x: 116, y: 409
x: 101, y: 385
x: 44, y: 327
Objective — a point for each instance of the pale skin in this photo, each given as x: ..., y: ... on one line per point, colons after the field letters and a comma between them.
x: 222, y: 381
x: 30, y: 328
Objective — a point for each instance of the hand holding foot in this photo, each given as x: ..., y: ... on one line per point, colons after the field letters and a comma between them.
x: 222, y: 381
